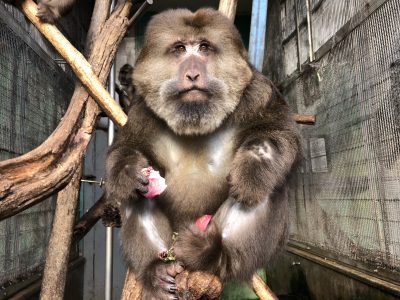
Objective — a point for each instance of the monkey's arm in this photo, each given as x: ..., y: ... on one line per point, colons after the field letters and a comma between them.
x: 263, y: 162
x: 145, y: 231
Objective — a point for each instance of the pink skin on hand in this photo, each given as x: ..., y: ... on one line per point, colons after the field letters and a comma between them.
x: 156, y: 182
x: 202, y: 222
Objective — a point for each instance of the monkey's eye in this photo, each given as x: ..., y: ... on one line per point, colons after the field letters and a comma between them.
x: 204, y: 47
x: 180, y: 48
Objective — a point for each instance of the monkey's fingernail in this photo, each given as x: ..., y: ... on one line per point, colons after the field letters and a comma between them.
x: 172, y: 280
x: 143, y: 190
x: 179, y: 268
x: 173, y: 289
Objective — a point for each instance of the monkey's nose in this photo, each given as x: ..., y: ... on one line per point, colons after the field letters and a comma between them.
x: 192, y: 76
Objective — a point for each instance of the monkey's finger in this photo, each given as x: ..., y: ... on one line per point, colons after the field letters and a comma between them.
x: 142, y: 178
x: 142, y: 189
x: 167, y: 278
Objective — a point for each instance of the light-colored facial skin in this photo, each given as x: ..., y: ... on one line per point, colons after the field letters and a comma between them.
x: 192, y: 75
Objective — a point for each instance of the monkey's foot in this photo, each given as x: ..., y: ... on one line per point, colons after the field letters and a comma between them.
x: 162, y: 285
x: 196, y: 285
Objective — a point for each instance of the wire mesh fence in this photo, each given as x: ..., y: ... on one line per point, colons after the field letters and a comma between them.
x: 34, y: 94
x: 347, y: 198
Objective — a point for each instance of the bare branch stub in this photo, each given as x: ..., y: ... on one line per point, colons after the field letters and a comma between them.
x: 89, y: 219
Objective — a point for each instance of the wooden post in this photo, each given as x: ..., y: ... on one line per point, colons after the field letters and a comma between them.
x: 55, y: 270
x: 228, y: 8
x: 261, y: 289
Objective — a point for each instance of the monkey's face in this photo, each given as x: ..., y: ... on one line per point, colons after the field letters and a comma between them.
x: 192, y: 69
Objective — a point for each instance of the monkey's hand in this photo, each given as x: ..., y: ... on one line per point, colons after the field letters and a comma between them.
x: 261, y: 165
x: 125, y: 179
x: 159, y: 281
x: 200, y: 250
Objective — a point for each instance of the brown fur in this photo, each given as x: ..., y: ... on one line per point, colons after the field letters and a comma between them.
x: 227, y: 152
x: 50, y: 11
x: 126, y: 90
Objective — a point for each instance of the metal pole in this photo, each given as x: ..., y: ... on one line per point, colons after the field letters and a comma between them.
x: 108, y: 286
x: 296, y: 16
x: 140, y: 11
x: 257, y: 33
x: 309, y: 31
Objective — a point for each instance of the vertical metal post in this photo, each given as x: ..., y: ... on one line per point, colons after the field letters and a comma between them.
x: 296, y: 16
x: 108, y: 286
x: 257, y: 33
x: 309, y: 31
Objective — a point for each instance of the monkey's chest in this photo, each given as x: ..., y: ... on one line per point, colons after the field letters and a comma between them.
x: 196, y: 170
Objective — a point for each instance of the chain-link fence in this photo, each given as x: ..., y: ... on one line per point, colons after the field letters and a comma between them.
x: 34, y: 94
x: 347, y: 200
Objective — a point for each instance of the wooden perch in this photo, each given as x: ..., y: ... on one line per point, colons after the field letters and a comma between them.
x: 34, y: 176
x: 55, y: 270
x: 228, y: 8
x: 190, y: 285
x: 261, y: 289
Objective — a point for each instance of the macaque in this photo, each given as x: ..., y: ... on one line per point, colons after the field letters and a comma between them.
x: 224, y: 139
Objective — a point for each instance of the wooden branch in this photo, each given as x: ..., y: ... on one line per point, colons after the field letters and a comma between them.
x: 100, y: 210
x: 99, y: 17
x: 89, y: 219
x: 261, y: 289
x: 132, y: 289
x: 55, y: 271
x: 190, y: 285
x: 228, y: 8
x: 82, y: 69
x: 198, y: 285
x: 32, y: 177
x: 304, y: 119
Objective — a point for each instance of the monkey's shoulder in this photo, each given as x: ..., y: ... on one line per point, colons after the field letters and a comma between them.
x: 261, y: 103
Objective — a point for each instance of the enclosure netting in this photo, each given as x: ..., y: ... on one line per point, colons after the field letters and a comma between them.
x: 34, y: 94
x: 347, y: 200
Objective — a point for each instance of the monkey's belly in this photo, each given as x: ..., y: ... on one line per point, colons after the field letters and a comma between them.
x: 195, y: 171
x: 195, y: 194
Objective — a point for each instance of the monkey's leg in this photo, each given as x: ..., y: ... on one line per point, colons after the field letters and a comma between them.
x: 145, y: 235
x: 252, y: 224
x: 238, y: 240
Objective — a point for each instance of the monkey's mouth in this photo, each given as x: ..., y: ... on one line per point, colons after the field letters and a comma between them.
x: 194, y: 94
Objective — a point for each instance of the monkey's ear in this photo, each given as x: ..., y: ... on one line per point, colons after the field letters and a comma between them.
x: 199, y: 250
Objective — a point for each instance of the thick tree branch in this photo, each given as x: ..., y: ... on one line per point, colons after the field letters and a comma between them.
x: 32, y: 177
x: 99, y: 16
x: 55, y: 271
